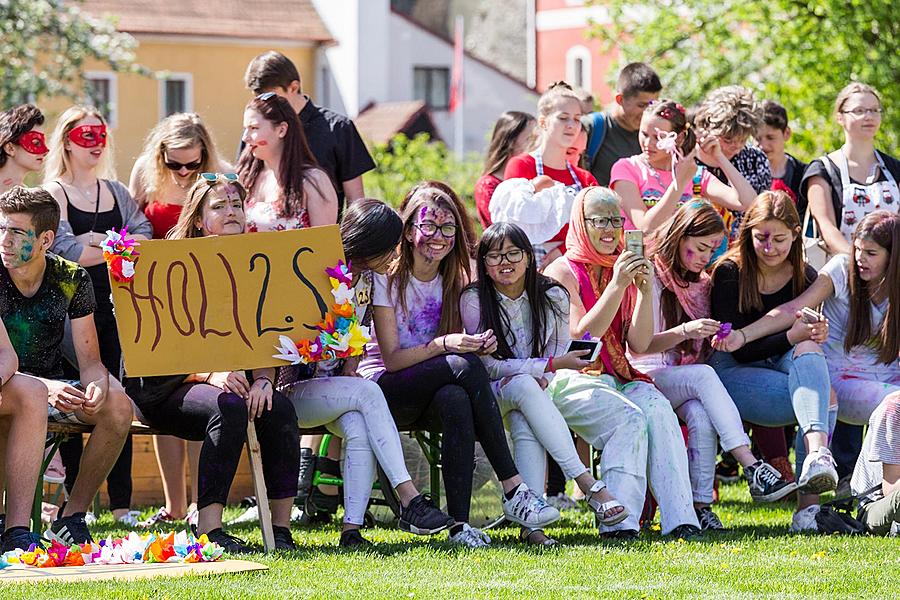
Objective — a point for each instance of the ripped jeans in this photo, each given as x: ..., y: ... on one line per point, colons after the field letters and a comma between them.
x: 781, y: 391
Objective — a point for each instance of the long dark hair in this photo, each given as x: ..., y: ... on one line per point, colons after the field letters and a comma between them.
x: 454, y: 268
x: 370, y: 228
x: 883, y: 228
x: 536, y: 286
x: 507, y: 130
x: 694, y: 219
x: 768, y: 206
x: 297, y: 160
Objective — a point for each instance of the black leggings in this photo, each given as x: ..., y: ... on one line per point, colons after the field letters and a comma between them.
x: 452, y: 393
x: 202, y: 412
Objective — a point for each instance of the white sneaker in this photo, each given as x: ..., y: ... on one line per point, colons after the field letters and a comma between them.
x: 252, y: 514
x: 819, y: 473
x: 805, y: 519
x: 130, y: 518
x: 471, y: 537
x: 528, y: 509
x: 561, y: 502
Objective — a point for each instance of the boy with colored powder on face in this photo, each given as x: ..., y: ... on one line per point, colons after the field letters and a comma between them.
x: 38, y: 291
x: 22, y: 145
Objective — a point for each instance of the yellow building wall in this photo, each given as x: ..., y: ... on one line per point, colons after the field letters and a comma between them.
x: 219, y: 96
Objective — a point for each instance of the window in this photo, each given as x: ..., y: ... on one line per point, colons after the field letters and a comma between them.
x: 432, y: 86
x: 102, y: 92
x: 175, y: 94
x: 578, y: 67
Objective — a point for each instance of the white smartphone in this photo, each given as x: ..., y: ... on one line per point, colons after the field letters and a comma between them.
x: 634, y: 241
x: 592, y: 345
x: 811, y: 316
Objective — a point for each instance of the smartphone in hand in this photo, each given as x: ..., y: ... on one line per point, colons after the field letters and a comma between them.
x: 811, y: 316
x: 634, y: 241
x: 592, y: 345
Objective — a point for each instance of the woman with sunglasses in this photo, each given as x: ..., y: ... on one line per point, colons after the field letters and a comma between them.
x: 80, y: 176
x: 610, y: 299
x: 530, y: 312
x: 22, y: 145
x: 286, y: 189
x: 430, y: 372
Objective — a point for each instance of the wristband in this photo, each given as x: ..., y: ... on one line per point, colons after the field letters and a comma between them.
x: 263, y: 378
x: 444, y: 342
x: 684, y: 330
x: 550, y: 366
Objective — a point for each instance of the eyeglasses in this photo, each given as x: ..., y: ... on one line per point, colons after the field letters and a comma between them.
x: 448, y: 230
x: 863, y: 112
x: 174, y: 165
x: 604, y: 222
x: 492, y: 259
x: 213, y: 178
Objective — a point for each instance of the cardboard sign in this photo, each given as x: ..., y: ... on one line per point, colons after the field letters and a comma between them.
x: 220, y: 303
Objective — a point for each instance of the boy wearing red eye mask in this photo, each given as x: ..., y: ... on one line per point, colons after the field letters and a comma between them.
x: 22, y: 144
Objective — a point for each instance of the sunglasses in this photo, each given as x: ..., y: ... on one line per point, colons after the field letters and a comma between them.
x: 213, y: 178
x: 173, y: 165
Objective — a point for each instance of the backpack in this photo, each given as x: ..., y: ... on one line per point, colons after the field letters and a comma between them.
x: 598, y: 134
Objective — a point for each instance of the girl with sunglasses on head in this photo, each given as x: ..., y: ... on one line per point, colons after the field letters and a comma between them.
x: 780, y: 376
x: 530, y: 315
x: 656, y: 182
x: 430, y: 373
x: 680, y: 346
x: 22, y: 145
x: 80, y: 176
x: 286, y: 188
x: 610, y: 300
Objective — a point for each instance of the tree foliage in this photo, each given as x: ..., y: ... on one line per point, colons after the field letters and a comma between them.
x: 799, y: 52
x: 44, y: 45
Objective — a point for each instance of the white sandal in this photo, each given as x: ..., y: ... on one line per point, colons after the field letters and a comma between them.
x: 601, y: 508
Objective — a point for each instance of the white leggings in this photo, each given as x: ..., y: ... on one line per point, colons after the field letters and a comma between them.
x: 859, y: 393
x: 702, y: 402
x: 638, y: 434
x: 536, y: 428
x: 355, y: 410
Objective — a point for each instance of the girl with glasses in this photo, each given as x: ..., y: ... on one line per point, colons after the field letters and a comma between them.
x: 610, y: 299
x: 529, y: 314
x: 430, y: 373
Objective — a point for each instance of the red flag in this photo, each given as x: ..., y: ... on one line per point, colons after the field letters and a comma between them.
x: 457, y: 81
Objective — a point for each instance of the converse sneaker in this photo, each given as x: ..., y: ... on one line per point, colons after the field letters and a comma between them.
x: 766, y: 483
x: 422, y: 517
x: 70, y: 530
x: 528, y: 509
x: 819, y: 473
x: 561, y: 502
x: 230, y: 543
x: 19, y: 538
x: 709, y: 521
x: 805, y: 518
x: 470, y: 537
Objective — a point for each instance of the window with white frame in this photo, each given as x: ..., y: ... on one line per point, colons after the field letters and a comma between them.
x: 578, y: 67
x: 432, y: 86
x: 176, y: 94
x: 102, y: 89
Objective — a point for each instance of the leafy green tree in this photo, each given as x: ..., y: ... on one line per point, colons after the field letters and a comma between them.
x: 44, y: 45
x: 799, y: 52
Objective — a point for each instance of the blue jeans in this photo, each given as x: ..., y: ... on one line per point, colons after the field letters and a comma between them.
x: 780, y: 391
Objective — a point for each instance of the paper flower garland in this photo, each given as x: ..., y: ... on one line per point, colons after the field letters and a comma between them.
x: 340, y: 334
x: 723, y: 332
x: 120, y: 253
x: 180, y: 547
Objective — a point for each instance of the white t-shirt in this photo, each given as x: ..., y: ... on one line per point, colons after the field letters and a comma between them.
x: 837, y: 311
x: 416, y: 326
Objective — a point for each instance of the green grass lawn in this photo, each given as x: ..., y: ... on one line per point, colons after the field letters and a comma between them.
x: 756, y: 558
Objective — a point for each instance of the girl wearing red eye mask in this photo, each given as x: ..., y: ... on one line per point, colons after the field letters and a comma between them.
x: 22, y: 146
x: 80, y: 177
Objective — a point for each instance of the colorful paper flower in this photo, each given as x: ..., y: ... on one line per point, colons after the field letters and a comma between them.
x: 345, y: 310
x: 288, y: 350
x: 343, y: 294
x: 723, y: 332
x: 120, y: 254
x: 340, y: 272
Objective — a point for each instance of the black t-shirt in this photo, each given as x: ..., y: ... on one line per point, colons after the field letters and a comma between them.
x: 617, y: 143
x: 832, y: 175
x: 148, y: 392
x: 36, y: 325
x: 724, y: 302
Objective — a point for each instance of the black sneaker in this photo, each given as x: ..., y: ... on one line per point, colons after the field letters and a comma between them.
x: 20, y: 537
x: 422, y: 517
x: 283, y: 539
x: 71, y: 530
x: 709, y: 521
x: 307, y: 471
x: 231, y: 544
x: 727, y: 469
x: 686, y: 532
x: 353, y: 540
x: 620, y: 534
x: 766, y: 483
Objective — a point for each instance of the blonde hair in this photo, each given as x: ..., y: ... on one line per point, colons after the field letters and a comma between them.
x: 729, y: 111
x: 853, y: 88
x: 175, y: 132
x: 57, y: 163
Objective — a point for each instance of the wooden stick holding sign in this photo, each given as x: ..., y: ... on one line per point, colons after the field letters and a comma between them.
x: 259, y: 486
x: 220, y: 303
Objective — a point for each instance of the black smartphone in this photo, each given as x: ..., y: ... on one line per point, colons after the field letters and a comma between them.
x: 592, y: 345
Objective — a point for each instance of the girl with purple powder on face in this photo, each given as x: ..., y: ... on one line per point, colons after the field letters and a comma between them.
x: 430, y: 373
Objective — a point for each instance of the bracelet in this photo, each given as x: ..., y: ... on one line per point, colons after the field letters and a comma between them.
x: 684, y: 330
x: 444, y: 342
x: 743, y: 336
x: 264, y: 378
x: 550, y: 366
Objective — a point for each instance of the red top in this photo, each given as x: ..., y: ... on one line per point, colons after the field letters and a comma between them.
x: 163, y: 217
x: 524, y: 165
x: 484, y: 189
